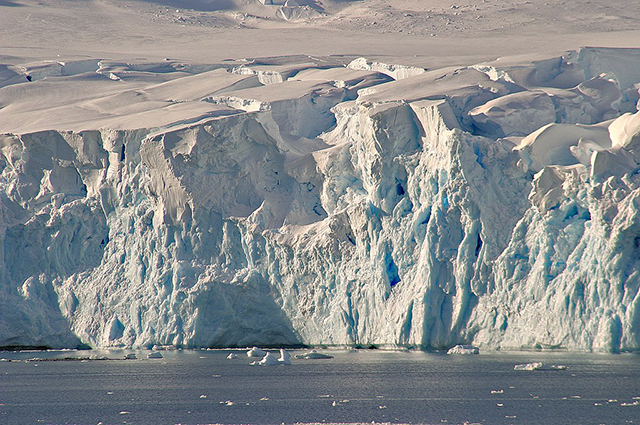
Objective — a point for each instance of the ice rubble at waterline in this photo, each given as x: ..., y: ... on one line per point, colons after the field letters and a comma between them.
x: 495, y: 205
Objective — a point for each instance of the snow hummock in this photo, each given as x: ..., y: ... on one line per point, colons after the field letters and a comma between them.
x: 397, y: 72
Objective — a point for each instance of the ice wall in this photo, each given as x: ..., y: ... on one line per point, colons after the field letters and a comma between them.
x: 496, y: 205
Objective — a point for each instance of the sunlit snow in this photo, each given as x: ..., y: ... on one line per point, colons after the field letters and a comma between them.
x: 326, y: 198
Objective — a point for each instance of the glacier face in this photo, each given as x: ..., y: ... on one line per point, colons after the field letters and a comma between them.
x: 495, y: 205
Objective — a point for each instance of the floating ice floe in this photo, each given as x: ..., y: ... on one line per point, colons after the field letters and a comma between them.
x: 130, y: 356
x: 313, y: 355
x: 464, y: 349
x: 97, y: 357
x: 233, y: 356
x: 256, y: 352
x: 538, y: 366
x: 270, y: 359
x: 154, y: 355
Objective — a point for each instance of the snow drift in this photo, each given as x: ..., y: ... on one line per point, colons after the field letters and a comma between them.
x: 494, y: 205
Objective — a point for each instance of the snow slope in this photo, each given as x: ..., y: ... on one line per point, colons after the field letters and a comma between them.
x: 312, y: 199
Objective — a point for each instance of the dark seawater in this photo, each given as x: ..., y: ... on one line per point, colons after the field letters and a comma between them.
x: 195, y: 387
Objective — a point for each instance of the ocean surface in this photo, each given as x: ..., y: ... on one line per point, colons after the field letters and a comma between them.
x: 198, y: 387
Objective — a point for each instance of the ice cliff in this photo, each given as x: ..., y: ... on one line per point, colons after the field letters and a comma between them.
x: 496, y: 205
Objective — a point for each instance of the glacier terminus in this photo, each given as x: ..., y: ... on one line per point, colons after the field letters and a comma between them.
x: 335, y: 201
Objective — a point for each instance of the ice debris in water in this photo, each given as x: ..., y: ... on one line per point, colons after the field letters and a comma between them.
x: 130, y: 356
x: 154, y: 355
x: 268, y: 360
x: 538, y: 366
x: 163, y: 347
x: 285, y: 357
x: 256, y: 352
x: 313, y: 355
x: 464, y: 349
x: 233, y: 356
x: 271, y: 360
x: 97, y: 357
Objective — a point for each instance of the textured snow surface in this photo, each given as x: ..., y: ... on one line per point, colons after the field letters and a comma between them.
x: 315, y: 199
x: 303, y: 212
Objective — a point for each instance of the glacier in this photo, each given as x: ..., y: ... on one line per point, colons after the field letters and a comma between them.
x: 292, y: 201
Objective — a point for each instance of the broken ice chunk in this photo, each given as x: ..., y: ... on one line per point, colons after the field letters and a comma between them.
x: 269, y: 360
x: 154, y: 355
x: 256, y: 352
x: 232, y: 356
x: 313, y: 355
x: 528, y: 366
x: 464, y: 349
x: 285, y: 357
x: 538, y: 366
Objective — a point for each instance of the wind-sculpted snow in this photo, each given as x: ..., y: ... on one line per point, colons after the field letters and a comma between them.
x: 493, y: 205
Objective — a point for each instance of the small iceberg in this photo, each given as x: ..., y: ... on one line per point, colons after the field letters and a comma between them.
x: 97, y: 357
x: 464, y: 349
x: 528, y: 366
x: 538, y: 366
x: 130, y: 356
x: 268, y: 360
x: 157, y: 347
x: 285, y: 357
x: 233, y: 356
x: 154, y: 355
x: 256, y: 352
x: 271, y: 360
x: 313, y: 355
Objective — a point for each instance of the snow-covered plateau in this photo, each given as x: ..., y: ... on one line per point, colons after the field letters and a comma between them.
x: 333, y: 201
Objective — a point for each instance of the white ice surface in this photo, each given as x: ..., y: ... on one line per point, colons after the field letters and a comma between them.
x: 285, y: 357
x: 268, y: 360
x: 463, y: 349
x: 528, y: 366
x: 313, y: 355
x: 256, y: 352
x: 207, y: 186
